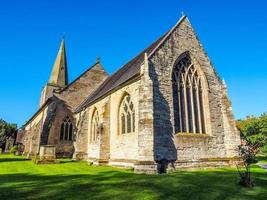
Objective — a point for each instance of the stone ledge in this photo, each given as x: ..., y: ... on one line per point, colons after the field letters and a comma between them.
x: 209, y: 160
x: 123, y: 160
x: 199, y: 135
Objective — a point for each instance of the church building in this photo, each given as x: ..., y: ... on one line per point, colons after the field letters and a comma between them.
x: 165, y: 109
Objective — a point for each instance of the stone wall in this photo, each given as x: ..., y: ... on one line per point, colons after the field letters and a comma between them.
x: 110, y: 146
x: 146, y: 143
x: 123, y: 147
x: 81, y: 136
x: 31, y: 139
x: 44, y: 128
x: 79, y: 89
x: 190, y: 147
x: 63, y: 148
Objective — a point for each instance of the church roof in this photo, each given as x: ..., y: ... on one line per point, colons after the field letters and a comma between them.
x: 125, y: 73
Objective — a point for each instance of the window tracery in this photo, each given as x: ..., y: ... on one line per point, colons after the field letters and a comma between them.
x: 188, y: 99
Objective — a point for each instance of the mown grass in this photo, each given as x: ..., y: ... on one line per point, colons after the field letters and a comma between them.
x: 22, y: 179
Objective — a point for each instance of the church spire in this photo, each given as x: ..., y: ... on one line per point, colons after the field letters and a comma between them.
x: 59, y: 75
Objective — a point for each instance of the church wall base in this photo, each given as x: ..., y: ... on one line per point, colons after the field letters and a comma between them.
x: 78, y: 156
x: 152, y: 167
x: 204, y: 163
x: 122, y: 163
x: 146, y: 167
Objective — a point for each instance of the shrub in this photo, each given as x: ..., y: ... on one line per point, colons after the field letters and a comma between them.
x: 263, y: 151
x: 14, y: 149
x: 248, y: 155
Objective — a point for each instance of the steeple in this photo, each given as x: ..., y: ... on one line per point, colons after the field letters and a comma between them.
x: 59, y: 75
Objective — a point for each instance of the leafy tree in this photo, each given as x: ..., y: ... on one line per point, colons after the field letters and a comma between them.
x: 254, y: 132
x: 254, y: 139
x: 6, y: 130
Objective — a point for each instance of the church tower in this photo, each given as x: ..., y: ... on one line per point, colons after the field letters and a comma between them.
x: 59, y: 75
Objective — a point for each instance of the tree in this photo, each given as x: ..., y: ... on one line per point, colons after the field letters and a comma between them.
x: 254, y: 132
x: 6, y: 130
x: 254, y: 140
x: 247, y: 153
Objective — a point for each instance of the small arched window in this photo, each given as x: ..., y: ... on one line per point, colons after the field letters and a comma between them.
x: 66, y: 130
x: 127, y: 115
x: 94, y: 127
x: 188, y: 100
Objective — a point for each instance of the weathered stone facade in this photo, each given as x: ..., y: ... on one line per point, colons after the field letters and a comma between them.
x: 57, y: 103
x: 129, y: 118
x: 220, y: 122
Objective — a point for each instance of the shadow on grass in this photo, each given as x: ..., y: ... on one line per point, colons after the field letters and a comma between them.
x: 261, y: 158
x: 65, y: 161
x: 13, y: 159
x: 122, y: 185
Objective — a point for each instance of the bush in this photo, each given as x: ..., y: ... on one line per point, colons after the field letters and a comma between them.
x: 248, y: 155
x: 14, y: 149
x: 263, y: 150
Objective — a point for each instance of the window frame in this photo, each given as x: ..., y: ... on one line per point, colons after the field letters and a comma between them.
x: 94, y: 130
x: 66, y: 130
x: 190, y: 114
x: 126, y: 116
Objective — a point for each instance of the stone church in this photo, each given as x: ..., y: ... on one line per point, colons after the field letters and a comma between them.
x: 166, y: 108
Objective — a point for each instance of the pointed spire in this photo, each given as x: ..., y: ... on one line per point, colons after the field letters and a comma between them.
x: 59, y: 75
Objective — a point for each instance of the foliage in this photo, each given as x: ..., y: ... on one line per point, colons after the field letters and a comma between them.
x: 248, y: 156
x: 14, y: 149
x: 254, y: 140
x: 6, y: 130
x: 254, y: 132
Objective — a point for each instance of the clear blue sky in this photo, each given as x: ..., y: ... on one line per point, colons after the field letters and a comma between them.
x: 233, y: 32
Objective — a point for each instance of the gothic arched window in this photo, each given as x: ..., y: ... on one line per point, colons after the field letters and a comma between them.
x: 66, y: 130
x: 127, y: 115
x: 94, y: 127
x: 188, y: 100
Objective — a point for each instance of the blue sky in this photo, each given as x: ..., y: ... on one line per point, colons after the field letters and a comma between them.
x: 234, y: 34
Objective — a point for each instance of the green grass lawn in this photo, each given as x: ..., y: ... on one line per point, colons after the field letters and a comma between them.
x: 22, y: 179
